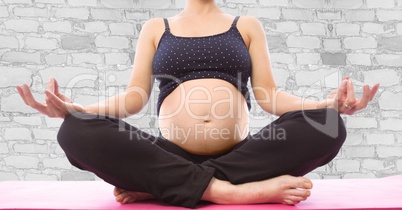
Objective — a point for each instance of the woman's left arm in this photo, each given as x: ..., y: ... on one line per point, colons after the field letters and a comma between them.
x: 279, y: 102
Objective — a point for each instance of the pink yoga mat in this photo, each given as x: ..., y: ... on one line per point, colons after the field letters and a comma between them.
x: 384, y: 193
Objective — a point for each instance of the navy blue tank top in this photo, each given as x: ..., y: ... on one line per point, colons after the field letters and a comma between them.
x: 223, y: 56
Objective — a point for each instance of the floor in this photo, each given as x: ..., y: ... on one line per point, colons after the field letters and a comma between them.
x: 384, y: 193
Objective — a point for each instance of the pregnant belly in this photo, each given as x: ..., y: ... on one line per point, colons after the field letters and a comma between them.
x: 204, y: 116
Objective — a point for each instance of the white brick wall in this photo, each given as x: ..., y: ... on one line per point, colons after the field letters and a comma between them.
x: 310, y: 42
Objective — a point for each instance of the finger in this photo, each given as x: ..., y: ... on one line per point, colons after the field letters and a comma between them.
x: 341, y: 94
x: 56, y: 87
x: 351, y: 99
x: 31, y: 100
x: 50, y: 86
x: 57, y: 102
x: 374, y: 90
x: 21, y: 92
x: 365, y: 98
x: 53, y: 109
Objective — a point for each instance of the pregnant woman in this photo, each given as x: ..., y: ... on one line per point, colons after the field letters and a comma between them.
x: 203, y: 59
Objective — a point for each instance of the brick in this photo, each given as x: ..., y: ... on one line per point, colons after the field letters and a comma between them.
x: 77, y: 176
x: 9, y: 42
x: 86, y: 99
x: 40, y: 177
x: 390, y: 101
x: 287, y: 26
x: 31, y: 148
x: 353, y: 139
x: 268, y: 13
x: 303, y: 42
x: 117, y: 58
x: 50, y: 1
x: 399, y: 2
x: 13, y: 76
x: 4, y: 148
x: 281, y: 76
x: 58, y: 150
x: 56, y: 59
x: 312, y: 176
x: 112, y: 42
x: 4, y: 12
x: 332, y: 44
x: 359, y: 59
x: 313, y: 28
x: 21, y: 57
x: 15, y: 104
x: 241, y: 1
x: 40, y: 43
x: 18, y: 1
x: 284, y: 58
x: 171, y: 12
x: 270, y: 3
x: 344, y: 165
x: 308, y: 58
x: 106, y: 14
x: 137, y: 15
x: 386, y: 77
x: 308, y: 78
x: 90, y: 3
x: 124, y: 4
x: 71, y: 76
x: 329, y: 15
x: 22, y: 162
x: 59, y: 163
x: 17, y: 134
x: 74, y: 42
x: 31, y: 12
x: 346, y: 4
x: 333, y: 58
x: 75, y: 13
x: 23, y: 26
x: 359, y: 176
x: 398, y: 165
x: 95, y: 27
x: 121, y: 29
x: 389, y: 60
x: 390, y: 43
x: 5, y: 119
x: 399, y: 28
x: 53, y: 122
x: 8, y: 176
x: 90, y: 58
x: 389, y: 15
x: 360, y: 151
x: 315, y: 4
x: 380, y: 138
x: 297, y: 14
x: 44, y: 134
x: 373, y: 28
x: 361, y: 122
x: 118, y: 77
x: 28, y: 120
x: 380, y: 4
x: 347, y: 29
x: 360, y: 15
x: 356, y: 43
x: 389, y: 151
x: 391, y: 124
x: 60, y: 26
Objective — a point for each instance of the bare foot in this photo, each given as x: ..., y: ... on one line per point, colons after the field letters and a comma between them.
x: 124, y: 196
x: 284, y: 189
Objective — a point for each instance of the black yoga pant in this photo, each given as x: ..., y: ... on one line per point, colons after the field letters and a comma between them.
x: 295, y: 144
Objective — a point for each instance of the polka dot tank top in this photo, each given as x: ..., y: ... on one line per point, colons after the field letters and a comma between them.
x: 223, y: 56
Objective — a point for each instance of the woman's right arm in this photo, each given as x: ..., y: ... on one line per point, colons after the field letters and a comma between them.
x: 123, y: 105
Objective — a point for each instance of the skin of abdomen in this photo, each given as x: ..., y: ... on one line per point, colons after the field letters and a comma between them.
x: 204, y: 116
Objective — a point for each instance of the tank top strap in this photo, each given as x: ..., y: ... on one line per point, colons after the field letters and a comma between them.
x: 235, y: 21
x: 167, y: 28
